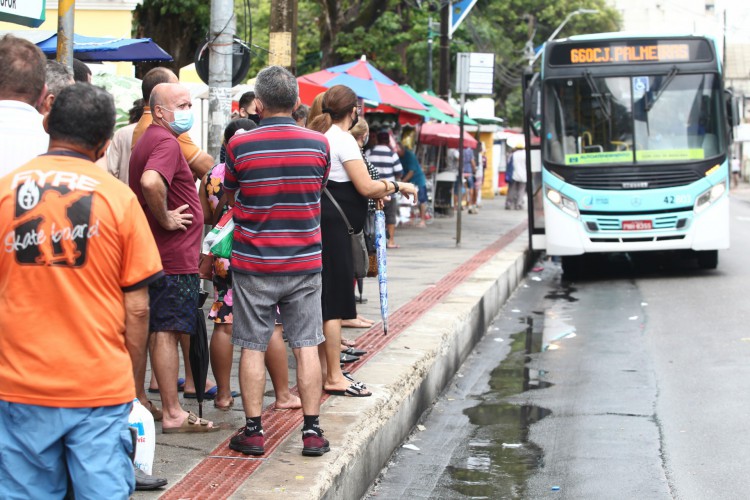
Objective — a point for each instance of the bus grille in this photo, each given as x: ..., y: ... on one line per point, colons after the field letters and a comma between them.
x: 633, y: 180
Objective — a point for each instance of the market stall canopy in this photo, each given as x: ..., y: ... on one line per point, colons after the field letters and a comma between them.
x: 96, y: 49
x: 366, y: 81
x: 439, y: 103
x: 308, y: 91
x: 408, y: 116
x: 444, y: 134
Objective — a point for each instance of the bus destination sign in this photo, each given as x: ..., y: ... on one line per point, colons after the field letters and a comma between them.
x: 621, y: 52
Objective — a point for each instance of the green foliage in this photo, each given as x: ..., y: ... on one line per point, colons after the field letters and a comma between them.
x: 394, y: 35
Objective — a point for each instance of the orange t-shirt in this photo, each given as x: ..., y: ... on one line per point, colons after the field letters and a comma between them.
x: 74, y: 239
x: 189, y: 149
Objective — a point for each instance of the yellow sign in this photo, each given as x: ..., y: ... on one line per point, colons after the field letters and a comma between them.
x: 633, y: 53
x: 280, y: 47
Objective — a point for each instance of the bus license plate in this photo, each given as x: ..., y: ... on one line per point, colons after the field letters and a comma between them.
x: 636, y: 225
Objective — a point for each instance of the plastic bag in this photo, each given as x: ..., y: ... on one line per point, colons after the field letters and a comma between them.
x: 221, y: 236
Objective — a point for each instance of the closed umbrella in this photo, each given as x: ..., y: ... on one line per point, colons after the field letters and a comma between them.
x: 199, y: 353
x: 380, y: 243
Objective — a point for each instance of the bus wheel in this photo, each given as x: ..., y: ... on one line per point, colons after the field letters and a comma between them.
x: 708, y: 259
x: 573, y: 266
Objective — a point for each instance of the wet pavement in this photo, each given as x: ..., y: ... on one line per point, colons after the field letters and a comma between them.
x: 616, y: 385
x: 474, y: 443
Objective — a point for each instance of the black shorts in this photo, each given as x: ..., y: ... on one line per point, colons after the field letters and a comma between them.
x: 173, y: 300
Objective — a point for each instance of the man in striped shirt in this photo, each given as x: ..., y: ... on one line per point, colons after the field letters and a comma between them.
x: 389, y: 166
x: 274, y: 177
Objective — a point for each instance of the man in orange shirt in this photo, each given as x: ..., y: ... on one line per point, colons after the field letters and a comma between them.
x: 77, y: 257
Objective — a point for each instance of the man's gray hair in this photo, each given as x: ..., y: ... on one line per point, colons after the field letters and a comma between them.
x: 277, y: 89
x: 58, y: 77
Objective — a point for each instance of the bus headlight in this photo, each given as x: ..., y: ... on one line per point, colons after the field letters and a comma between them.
x: 708, y: 197
x: 563, y: 203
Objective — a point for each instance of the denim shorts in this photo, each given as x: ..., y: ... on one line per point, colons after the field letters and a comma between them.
x: 422, y: 195
x: 173, y: 300
x: 298, y: 299
x: 38, y: 444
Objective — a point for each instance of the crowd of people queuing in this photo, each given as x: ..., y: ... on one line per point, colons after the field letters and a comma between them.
x: 126, y: 247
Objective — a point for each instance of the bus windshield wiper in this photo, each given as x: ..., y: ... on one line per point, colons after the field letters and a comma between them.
x: 670, y: 76
x: 595, y: 93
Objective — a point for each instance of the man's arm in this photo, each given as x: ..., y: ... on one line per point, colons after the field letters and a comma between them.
x: 155, y: 192
x: 201, y: 164
x: 136, y: 331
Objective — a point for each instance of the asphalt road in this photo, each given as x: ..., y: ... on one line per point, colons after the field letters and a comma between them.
x: 641, y: 373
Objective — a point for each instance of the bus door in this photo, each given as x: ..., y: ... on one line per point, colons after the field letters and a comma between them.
x: 532, y: 105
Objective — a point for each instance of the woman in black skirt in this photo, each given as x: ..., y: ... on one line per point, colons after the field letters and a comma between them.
x: 350, y: 184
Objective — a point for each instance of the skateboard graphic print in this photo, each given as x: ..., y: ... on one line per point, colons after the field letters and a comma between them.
x: 52, y: 220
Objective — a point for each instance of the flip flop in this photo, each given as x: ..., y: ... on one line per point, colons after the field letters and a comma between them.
x: 348, y: 376
x: 191, y: 424
x: 180, y: 387
x: 345, y: 358
x: 356, y: 390
x: 353, y: 352
x: 209, y: 394
x: 393, y: 246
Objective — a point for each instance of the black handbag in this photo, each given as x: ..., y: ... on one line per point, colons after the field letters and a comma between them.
x: 369, y: 231
x: 359, y: 248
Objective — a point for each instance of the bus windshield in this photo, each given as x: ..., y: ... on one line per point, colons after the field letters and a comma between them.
x: 620, y: 120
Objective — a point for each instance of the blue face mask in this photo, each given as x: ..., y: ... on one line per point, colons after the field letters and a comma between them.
x: 183, y: 121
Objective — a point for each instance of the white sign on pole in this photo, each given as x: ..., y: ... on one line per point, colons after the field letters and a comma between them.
x: 25, y: 12
x: 475, y: 73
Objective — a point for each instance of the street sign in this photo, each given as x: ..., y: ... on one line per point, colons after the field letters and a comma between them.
x: 475, y: 73
x: 31, y: 13
x: 459, y: 10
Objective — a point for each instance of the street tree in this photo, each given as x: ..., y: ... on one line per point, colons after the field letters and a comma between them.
x: 177, y: 26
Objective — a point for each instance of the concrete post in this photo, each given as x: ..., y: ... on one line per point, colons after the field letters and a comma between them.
x: 65, y: 26
x: 221, y: 34
x: 445, y: 51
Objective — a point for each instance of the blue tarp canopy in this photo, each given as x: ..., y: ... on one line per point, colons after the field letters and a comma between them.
x: 95, y: 49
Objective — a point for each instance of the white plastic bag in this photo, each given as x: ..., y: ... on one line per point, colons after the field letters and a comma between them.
x: 142, y: 420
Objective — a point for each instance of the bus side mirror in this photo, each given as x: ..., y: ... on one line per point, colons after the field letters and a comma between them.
x: 532, y: 103
x: 733, y: 108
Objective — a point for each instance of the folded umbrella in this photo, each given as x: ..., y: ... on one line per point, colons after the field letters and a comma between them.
x: 199, y: 353
x: 380, y: 252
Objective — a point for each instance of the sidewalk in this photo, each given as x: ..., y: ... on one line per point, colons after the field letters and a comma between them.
x: 440, y: 296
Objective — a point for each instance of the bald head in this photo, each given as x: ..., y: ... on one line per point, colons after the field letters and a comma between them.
x: 166, y: 98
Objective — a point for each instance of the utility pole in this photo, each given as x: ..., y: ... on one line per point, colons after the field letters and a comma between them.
x: 221, y: 35
x: 445, y: 50
x: 283, y: 34
x: 65, y: 25
x: 429, y: 53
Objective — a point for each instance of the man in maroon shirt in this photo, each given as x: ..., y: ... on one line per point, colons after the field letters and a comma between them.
x: 163, y: 183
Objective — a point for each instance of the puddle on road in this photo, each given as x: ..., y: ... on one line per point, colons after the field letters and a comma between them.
x: 498, y: 458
